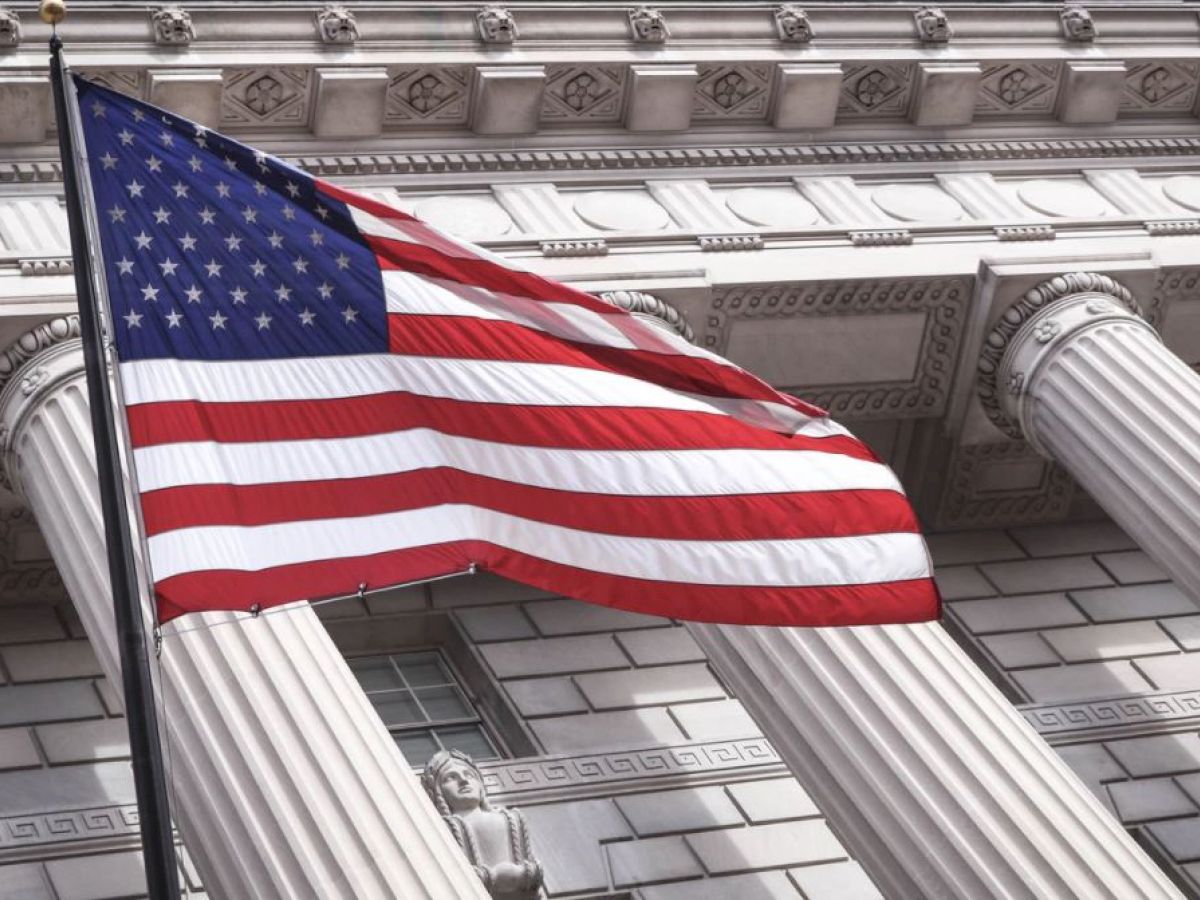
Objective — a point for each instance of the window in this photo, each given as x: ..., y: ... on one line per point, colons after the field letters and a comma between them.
x: 423, y: 705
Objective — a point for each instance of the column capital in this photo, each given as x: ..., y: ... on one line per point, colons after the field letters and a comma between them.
x: 35, y: 363
x: 1036, y: 324
x: 651, y: 309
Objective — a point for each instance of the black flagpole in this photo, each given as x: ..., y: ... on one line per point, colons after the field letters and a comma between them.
x: 158, y: 844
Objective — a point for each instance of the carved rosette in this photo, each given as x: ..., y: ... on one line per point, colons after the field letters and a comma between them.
x: 651, y: 309
x: 10, y: 28
x: 1035, y: 326
x: 36, y: 362
x: 172, y: 26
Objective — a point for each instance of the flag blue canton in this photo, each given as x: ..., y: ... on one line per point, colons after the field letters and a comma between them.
x: 216, y: 251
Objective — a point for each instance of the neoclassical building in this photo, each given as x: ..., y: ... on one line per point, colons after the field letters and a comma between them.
x: 971, y: 232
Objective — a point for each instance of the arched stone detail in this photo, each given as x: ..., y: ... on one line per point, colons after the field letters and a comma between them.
x: 651, y: 309
x: 1031, y: 303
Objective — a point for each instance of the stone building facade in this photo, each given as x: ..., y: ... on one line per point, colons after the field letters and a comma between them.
x: 968, y: 231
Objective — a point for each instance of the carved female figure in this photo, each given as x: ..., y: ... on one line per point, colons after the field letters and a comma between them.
x: 496, y: 841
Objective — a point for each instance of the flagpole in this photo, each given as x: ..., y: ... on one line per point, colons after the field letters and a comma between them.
x: 150, y: 782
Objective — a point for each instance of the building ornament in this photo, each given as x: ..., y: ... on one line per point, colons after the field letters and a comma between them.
x: 336, y: 25
x: 933, y: 25
x: 651, y: 309
x: 1077, y: 25
x: 1028, y: 318
x: 792, y: 25
x: 172, y: 26
x: 495, y: 840
x: 10, y: 28
x: 496, y: 25
x: 648, y: 26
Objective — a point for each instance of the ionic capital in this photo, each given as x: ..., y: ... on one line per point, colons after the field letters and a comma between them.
x: 1038, y: 325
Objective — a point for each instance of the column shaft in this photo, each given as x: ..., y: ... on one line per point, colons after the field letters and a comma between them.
x: 934, y: 781
x: 287, y: 784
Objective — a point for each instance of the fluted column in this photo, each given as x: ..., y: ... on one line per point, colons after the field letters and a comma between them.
x: 1086, y: 380
x: 286, y: 783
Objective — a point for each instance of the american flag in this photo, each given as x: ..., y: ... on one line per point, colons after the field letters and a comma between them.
x: 323, y: 392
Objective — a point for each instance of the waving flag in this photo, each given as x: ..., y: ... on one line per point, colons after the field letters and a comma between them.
x: 323, y: 392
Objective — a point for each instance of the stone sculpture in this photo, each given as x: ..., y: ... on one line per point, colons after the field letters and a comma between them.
x: 1077, y: 24
x: 933, y: 25
x: 337, y: 25
x: 792, y: 25
x: 648, y: 26
x: 172, y: 26
x: 496, y: 25
x: 10, y: 28
x: 496, y: 841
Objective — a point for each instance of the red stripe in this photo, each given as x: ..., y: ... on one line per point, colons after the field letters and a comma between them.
x: 710, y: 518
x: 568, y: 427
x: 459, y: 337
x: 873, y: 604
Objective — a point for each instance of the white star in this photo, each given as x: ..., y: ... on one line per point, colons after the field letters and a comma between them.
x: 125, y: 265
x: 239, y: 295
x: 180, y: 189
x: 259, y: 268
x: 350, y: 315
x: 322, y: 212
x: 289, y: 211
x: 325, y: 289
x: 174, y: 317
x: 187, y: 242
x: 300, y: 264
x: 126, y: 136
x: 293, y: 189
x: 117, y: 214
x: 195, y: 163
x: 316, y: 237
x: 263, y: 320
x: 143, y: 240
x: 284, y: 293
x: 193, y: 294
x: 167, y: 139
x: 162, y: 216
x: 213, y: 268
x: 261, y: 159
x: 276, y: 239
x: 207, y: 216
x: 99, y: 109
x: 233, y: 242
x: 201, y: 135
x: 250, y: 214
x: 260, y: 188
x: 306, y: 317
x: 168, y: 266
x: 230, y: 163
x: 134, y: 319
x: 223, y: 190
x: 138, y: 115
x: 154, y: 164
x: 109, y: 161
x: 343, y: 261
x: 134, y: 188
x: 149, y: 292
x: 218, y: 320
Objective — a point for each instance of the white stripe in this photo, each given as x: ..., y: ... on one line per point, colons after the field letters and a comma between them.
x: 477, y: 381
x: 788, y: 563
x: 411, y: 294
x: 671, y: 473
x: 411, y: 231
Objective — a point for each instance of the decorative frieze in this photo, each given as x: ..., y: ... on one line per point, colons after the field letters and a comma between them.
x: 876, y: 89
x: 1139, y: 713
x: 1160, y: 87
x: 1018, y: 88
x: 732, y: 92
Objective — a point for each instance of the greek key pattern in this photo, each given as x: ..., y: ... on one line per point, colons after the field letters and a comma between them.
x: 512, y: 779
x: 67, y: 825
x: 1060, y: 718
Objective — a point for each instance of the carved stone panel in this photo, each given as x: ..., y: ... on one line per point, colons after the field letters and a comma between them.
x: 1160, y: 88
x: 1018, y: 88
x: 266, y: 98
x: 876, y: 89
x: 732, y: 92
x: 800, y: 338
x: 427, y: 95
x: 590, y: 93
x: 131, y: 82
x: 1003, y: 483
